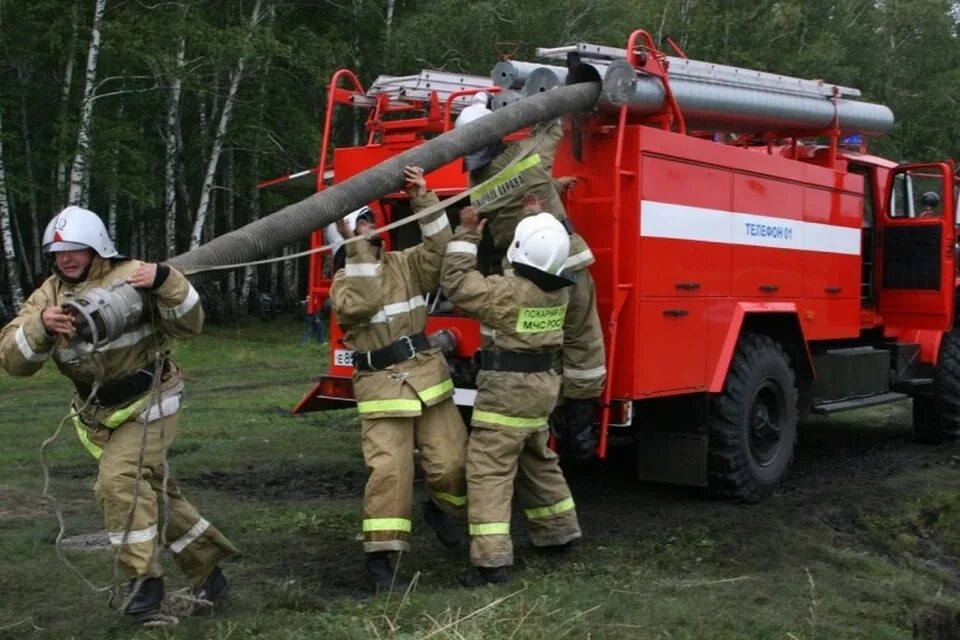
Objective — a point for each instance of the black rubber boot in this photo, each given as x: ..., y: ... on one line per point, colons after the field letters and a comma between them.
x: 580, y: 436
x: 448, y: 533
x: 481, y: 576
x: 214, y: 588
x: 146, y: 599
x: 378, y: 573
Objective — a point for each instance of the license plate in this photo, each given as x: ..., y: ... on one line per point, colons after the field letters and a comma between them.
x: 343, y: 358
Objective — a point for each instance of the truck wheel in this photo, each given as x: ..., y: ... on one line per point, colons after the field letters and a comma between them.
x: 936, y: 417
x: 753, y: 423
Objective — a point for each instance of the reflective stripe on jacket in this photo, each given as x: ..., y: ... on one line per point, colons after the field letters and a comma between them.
x: 530, y: 175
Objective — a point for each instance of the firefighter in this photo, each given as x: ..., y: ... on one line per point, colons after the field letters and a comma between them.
x: 402, y: 385
x: 137, y: 400
x: 522, y: 319
x: 583, y: 358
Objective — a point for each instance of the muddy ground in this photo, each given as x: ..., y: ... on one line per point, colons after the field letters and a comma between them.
x: 836, y: 481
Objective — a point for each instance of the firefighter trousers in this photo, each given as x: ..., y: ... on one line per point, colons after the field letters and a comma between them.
x: 584, y: 357
x: 388, y: 452
x: 497, y: 457
x: 196, y: 545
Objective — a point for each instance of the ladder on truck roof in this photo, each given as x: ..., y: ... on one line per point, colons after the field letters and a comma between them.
x: 420, y: 88
x: 697, y: 70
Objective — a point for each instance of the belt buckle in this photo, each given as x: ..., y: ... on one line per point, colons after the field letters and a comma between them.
x: 409, y: 342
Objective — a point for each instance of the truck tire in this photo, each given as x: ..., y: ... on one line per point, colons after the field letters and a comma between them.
x: 752, y: 424
x: 936, y: 417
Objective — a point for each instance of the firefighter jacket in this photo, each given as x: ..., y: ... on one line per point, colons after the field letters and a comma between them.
x: 172, y: 310
x: 515, y: 315
x: 502, y: 200
x: 378, y: 302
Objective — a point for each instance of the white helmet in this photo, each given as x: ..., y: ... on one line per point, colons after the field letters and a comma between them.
x: 75, y: 228
x: 333, y: 236
x: 542, y: 242
x: 475, y: 110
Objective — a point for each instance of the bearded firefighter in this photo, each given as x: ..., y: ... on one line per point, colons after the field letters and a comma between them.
x: 522, y: 320
x: 502, y: 203
x: 402, y: 385
x: 127, y: 402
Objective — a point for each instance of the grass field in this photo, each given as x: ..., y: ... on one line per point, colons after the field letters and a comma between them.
x: 860, y: 543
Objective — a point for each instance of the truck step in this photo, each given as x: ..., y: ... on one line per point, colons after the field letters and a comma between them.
x: 857, y: 403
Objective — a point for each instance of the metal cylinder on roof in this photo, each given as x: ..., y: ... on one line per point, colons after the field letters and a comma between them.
x: 504, y: 98
x: 711, y: 103
x: 543, y: 79
x: 513, y: 74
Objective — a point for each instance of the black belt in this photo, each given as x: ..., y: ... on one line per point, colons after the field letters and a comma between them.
x: 514, y: 361
x: 568, y: 225
x: 398, y: 351
x: 118, y: 392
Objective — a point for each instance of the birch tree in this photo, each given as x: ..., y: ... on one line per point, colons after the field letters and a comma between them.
x: 6, y: 233
x: 172, y: 149
x: 235, y: 77
x: 78, y: 173
x: 65, y: 90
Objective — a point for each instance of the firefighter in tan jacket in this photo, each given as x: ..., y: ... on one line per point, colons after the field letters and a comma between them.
x: 501, y: 202
x: 121, y: 401
x: 522, y: 319
x: 402, y: 385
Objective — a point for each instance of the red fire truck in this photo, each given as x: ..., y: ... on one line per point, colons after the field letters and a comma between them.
x: 754, y: 262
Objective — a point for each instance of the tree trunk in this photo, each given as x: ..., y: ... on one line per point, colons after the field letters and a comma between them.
x: 6, y: 235
x: 295, y: 222
x: 289, y: 277
x: 169, y: 176
x: 26, y: 284
x: 274, y: 276
x: 250, y: 273
x: 78, y: 173
x: 114, y: 183
x: 225, y: 116
x: 210, y: 228
x: 36, y: 267
x: 229, y: 204
x: 112, y: 213
x: 64, y: 120
x: 389, y: 21
x: 183, y: 187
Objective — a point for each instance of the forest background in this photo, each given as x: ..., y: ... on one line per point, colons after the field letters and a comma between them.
x: 163, y: 116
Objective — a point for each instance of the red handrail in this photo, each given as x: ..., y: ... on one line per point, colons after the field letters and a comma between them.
x: 328, y: 118
x: 653, y: 63
x: 617, y: 299
x: 313, y: 286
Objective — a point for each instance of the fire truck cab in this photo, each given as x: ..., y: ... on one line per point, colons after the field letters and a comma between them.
x: 744, y: 278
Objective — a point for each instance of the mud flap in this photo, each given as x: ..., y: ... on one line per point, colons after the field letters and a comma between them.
x: 676, y: 458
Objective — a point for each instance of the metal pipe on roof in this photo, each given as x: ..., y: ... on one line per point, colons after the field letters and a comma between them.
x: 712, y: 101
